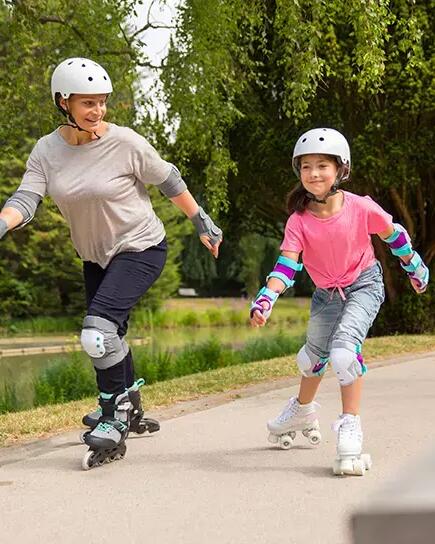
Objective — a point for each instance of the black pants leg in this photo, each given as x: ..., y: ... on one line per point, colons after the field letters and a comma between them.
x: 112, y: 292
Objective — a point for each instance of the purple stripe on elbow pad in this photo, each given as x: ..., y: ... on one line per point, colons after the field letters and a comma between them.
x: 400, y: 241
x: 287, y: 271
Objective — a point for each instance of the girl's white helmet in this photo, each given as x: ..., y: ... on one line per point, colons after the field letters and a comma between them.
x: 325, y: 141
x: 79, y: 76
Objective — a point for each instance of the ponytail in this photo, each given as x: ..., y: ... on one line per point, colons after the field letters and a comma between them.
x: 297, y: 199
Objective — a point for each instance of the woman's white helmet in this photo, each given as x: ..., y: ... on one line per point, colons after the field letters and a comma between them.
x: 79, y: 76
x: 324, y: 141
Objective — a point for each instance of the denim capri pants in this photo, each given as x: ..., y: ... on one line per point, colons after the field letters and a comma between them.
x: 334, y: 319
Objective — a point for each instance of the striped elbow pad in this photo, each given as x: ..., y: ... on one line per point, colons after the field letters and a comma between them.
x: 285, y: 270
x: 399, y: 241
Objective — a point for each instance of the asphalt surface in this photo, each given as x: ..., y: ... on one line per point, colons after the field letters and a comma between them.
x: 211, y: 477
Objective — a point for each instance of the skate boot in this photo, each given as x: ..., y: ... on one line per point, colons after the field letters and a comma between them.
x: 138, y: 423
x: 295, y: 417
x: 349, y: 458
x: 107, y: 440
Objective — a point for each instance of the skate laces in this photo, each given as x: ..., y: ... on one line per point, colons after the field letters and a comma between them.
x: 294, y: 408
x: 104, y: 427
x: 346, y: 424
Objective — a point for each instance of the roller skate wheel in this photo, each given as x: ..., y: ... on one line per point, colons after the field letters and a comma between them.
x: 285, y: 442
x: 273, y: 438
x: 353, y: 466
x: 367, y: 460
x: 314, y: 438
x: 87, y: 460
x: 82, y: 436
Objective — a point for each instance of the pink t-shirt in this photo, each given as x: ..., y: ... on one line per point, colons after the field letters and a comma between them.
x: 337, y: 249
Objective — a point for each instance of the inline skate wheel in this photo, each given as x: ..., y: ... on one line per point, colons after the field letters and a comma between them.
x: 87, y: 461
x: 82, y: 436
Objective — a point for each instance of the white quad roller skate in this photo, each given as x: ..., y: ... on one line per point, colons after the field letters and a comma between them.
x: 350, y: 460
x: 295, y: 417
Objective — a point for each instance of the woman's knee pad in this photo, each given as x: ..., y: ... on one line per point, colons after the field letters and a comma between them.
x: 101, y: 342
x: 310, y: 364
x: 347, y: 362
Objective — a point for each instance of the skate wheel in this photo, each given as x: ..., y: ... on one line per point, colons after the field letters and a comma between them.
x: 336, y: 468
x: 367, y: 460
x: 314, y: 438
x: 359, y: 467
x: 82, y: 436
x: 273, y: 438
x: 87, y: 461
x: 285, y: 442
x: 147, y: 425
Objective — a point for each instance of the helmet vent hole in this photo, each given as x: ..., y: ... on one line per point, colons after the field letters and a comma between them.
x: 69, y: 63
x: 90, y: 78
x: 304, y: 140
x: 105, y: 78
x: 83, y: 65
x: 321, y: 138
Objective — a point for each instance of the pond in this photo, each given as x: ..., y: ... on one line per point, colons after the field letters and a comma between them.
x: 20, y: 371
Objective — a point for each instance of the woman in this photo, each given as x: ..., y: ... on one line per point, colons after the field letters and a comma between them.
x: 96, y: 174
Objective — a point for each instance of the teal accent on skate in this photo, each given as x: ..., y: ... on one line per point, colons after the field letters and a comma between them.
x: 106, y: 396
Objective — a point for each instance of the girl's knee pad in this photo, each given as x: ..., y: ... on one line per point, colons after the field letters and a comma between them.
x: 310, y: 364
x: 347, y: 362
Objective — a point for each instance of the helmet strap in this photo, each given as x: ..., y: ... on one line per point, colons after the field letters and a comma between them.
x: 331, y: 192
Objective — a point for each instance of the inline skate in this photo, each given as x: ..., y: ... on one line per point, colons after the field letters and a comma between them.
x: 138, y: 423
x: 107, y: 440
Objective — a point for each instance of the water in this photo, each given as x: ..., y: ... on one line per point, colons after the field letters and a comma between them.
x: 22, y: 370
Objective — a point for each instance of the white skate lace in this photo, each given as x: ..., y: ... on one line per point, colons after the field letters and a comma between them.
x: 346, y: 425
x: 292, y: 409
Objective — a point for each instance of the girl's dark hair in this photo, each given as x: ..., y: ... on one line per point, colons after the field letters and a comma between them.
x: 297, y: 199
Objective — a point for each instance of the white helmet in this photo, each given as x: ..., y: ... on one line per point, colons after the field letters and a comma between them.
x: 325, y: 141
x: 79, y: 76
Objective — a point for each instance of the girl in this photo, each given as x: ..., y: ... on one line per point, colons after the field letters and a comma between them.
x: 332, y: 228
x: 96, y: 174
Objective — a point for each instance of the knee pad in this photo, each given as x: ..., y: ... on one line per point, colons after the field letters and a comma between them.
x: 347, y: 362
x: 101, y: 342
x: 310, y: 364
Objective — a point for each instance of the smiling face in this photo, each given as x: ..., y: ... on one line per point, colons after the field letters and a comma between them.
x: 318, y: 173
x: 88, y: 110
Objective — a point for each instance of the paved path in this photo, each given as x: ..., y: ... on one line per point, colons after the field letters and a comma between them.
x: 211, y: 476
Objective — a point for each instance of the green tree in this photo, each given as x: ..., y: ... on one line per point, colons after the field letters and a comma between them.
x: 243, y: 80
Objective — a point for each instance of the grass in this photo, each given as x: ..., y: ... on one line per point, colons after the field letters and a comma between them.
x: 49, y: 420
x: 198, y: 312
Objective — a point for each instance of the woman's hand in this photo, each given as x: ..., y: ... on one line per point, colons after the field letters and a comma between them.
x: 213, y: 248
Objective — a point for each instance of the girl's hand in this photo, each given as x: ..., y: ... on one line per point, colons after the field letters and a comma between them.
x: 258, y: 319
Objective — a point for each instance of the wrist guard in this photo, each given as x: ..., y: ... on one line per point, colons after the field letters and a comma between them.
x: 417, y: 271
x: 267, y: 296
x: 205, y: 226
